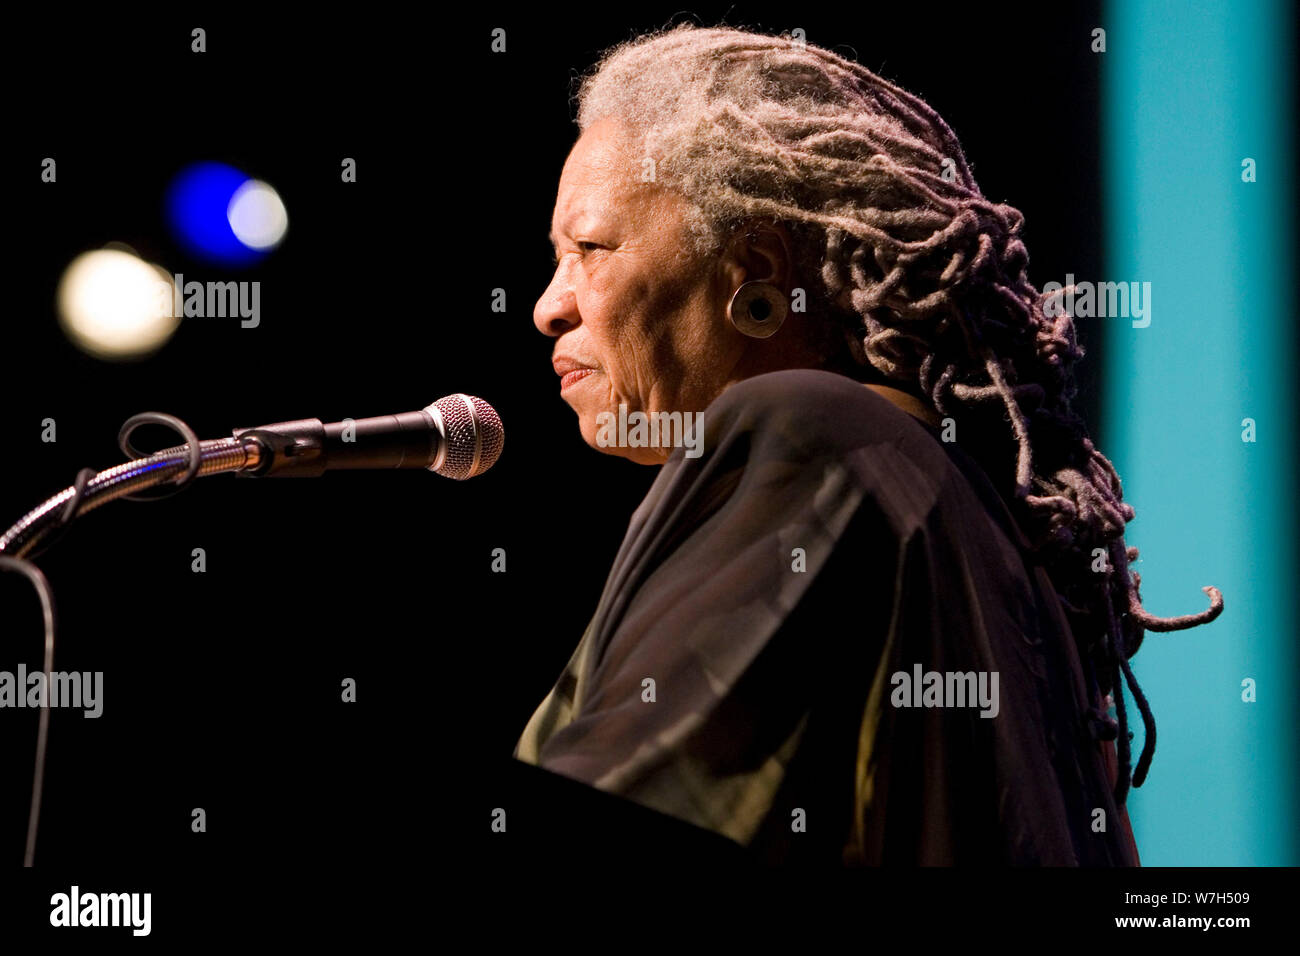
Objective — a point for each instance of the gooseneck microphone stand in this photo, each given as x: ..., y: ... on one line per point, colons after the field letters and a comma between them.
x: 47, y: 522
x: 181, y: 464
x: 458, y: 436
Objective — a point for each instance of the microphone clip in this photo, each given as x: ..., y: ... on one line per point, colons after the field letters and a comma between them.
x: 291, y: 449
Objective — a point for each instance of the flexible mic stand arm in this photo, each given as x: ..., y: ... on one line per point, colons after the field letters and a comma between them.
x: 249, y: 452
x: 287, y: 448
x: 214, y: 457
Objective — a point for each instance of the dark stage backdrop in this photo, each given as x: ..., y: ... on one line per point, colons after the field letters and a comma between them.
x: 222, y: 688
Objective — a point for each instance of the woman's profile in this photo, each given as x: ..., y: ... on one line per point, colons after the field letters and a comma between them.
x: 877, y: 606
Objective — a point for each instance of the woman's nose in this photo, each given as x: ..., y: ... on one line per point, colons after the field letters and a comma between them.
x: 557, y: 310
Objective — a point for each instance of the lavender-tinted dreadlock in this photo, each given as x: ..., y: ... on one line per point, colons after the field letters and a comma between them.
x: 925, y: 275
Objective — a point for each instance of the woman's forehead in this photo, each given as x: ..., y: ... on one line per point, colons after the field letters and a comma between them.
x: 602, y: 177
x: 601, y: 154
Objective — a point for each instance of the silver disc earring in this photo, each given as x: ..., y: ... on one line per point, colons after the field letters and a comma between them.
x: 757, y: 309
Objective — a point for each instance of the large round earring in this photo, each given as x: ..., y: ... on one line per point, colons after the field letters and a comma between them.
x: 757, y: 309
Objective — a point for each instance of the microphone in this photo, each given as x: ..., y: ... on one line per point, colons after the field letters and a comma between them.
x: 458, y: 436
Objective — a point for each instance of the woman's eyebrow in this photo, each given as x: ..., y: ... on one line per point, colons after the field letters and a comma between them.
x: 571, y: 219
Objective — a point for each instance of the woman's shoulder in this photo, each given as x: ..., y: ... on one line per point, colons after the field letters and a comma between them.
x: 793, y: 385
x: 813, y: 427
x: 814, y: 409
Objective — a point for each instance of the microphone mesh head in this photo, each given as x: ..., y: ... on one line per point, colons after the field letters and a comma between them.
x: 472, y: 434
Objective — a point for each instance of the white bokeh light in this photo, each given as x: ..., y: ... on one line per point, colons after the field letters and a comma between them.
x: 257, y: 216
x: 114, y: 305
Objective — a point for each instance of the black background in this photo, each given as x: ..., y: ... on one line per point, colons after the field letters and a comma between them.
x: 222, y: 689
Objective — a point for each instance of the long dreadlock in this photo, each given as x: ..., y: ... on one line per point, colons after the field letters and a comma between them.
x: 925, y: 276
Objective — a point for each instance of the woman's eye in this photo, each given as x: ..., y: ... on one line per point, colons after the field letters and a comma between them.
x: 583, y: 248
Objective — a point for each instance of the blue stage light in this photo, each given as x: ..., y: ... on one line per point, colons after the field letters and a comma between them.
x: 197, y: 203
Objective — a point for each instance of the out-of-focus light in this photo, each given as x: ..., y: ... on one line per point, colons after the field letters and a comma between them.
x: 114, y: 305
x: 223, y: 216
x: 257, y: 215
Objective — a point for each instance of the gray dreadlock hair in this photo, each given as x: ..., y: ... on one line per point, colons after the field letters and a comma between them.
x: 924, y: 275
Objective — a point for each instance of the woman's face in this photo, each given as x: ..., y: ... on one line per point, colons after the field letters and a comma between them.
x: 629, y: 304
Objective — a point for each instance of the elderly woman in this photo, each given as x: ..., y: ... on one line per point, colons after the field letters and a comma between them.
x: 876, y: 605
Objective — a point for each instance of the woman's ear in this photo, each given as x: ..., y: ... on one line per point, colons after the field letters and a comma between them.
x: 761, y: 251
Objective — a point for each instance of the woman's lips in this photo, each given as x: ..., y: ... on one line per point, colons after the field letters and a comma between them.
x: 571, y: 378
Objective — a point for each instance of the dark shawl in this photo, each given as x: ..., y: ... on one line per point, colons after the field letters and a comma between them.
x: 773, y: 723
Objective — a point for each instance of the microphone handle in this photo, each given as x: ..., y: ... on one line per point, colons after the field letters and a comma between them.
x: 307, y: 448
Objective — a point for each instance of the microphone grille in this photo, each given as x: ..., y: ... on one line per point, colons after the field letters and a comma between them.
x: 472, y: 435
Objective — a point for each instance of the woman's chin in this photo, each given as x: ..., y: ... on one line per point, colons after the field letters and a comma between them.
x: 599, y: 437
